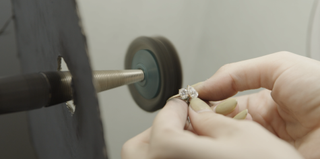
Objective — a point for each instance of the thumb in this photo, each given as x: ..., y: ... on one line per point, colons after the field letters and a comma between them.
x: 206, y: 122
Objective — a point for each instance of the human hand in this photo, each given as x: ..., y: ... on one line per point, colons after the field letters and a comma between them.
x: 290, y: 106
x: 216, y: 136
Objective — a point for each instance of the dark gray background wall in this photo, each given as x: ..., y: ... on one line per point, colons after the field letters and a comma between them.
x: 14, y: 134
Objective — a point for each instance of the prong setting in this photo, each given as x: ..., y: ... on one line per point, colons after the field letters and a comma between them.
x: 183, y: 93
x: 192, y: 92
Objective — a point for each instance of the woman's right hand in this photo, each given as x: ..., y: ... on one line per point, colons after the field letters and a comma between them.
x: 289, y: 108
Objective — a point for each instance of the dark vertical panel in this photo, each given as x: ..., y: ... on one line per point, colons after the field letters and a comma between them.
x: 46, y: 29
x: 9, y: 63
x: 14, y: 133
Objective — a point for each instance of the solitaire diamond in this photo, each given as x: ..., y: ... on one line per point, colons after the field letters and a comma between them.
x: 183, y: 93
x: 192, y: 92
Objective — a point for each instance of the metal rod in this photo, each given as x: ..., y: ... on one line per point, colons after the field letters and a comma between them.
x: 33, y: 91
x: 104, y: 79
x: 114, y: 78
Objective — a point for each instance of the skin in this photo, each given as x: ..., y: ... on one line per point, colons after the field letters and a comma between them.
x: 285, y: 120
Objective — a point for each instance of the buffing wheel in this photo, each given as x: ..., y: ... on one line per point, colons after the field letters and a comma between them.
x: 158, y: 59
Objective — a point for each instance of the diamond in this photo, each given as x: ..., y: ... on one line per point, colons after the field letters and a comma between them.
x: 183, y: 93
x: 192, y: 92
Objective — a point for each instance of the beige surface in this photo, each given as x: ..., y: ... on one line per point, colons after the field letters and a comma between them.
x: 207, y: 34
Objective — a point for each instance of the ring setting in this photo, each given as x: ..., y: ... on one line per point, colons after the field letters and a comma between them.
x: 186, y: 94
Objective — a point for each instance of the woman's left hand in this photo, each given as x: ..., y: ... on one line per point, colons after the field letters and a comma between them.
x: 214, y: 136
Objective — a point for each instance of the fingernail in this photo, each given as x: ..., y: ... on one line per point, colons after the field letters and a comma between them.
x: 226, y: 106
x: 199, y: 106
x: 195, y: 86
x: 242, y: 115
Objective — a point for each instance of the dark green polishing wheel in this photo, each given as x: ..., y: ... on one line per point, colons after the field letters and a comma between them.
x: 159, y: 60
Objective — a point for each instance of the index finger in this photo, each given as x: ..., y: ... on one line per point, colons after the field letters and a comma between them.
x: 249, y: 74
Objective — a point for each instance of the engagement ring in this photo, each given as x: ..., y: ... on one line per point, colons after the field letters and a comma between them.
x: 186, y: 94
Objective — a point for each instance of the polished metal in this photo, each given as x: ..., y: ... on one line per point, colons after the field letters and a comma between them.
x: 114, y: 78
x: 65, y: 86
x: 104, y: 80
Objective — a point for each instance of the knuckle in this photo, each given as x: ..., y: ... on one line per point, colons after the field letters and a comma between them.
x: 166, y: 131
x: 225, y: 67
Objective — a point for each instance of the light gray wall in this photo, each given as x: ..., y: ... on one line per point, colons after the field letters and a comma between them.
x: 313, y: 49
x: 206, y: 33
x: 14, y: 134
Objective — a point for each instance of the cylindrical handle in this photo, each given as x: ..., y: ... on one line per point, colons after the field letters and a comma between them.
x: 32, y: 91
x: 23, y: 92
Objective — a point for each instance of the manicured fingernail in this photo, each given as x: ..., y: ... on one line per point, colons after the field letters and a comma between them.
x: 226, y: 106
x: 199, y: 106
x: 242, y: 115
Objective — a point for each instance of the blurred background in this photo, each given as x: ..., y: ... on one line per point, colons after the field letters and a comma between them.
x: 206, y: 33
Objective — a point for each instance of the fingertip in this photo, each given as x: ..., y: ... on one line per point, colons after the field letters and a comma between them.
x: 208, y: 123
x: 235, y: 111
x: 173, y: 115
x: 249, y: 117
x: 215, y: 88
x: 242, y: 115
x: 197, y: 86
x: 199, y: 105
x: 226, y: 107
x: 178, y: 106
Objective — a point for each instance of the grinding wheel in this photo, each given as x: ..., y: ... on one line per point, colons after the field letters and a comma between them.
x: 159, y: 60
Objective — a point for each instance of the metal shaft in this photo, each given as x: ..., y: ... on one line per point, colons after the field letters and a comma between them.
x: 104, y: 80
x: 33, y: 91
x: 114, y: 78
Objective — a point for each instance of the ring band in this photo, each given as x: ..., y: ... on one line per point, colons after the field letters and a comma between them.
x: 186, y: 94
x: 178, y: 97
